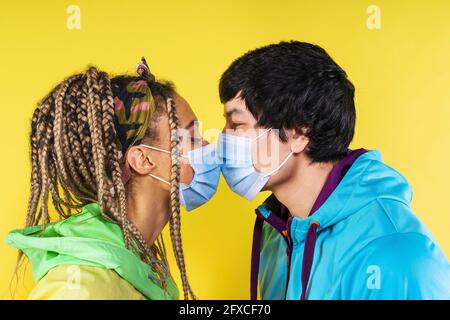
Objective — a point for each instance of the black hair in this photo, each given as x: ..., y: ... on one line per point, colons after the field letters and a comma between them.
x: 296, y: 85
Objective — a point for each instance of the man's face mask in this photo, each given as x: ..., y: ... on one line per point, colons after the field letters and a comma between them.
x: 235, y: 154
x: 203, y: 186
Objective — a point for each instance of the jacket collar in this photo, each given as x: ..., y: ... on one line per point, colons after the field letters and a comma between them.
x: 331, y: 202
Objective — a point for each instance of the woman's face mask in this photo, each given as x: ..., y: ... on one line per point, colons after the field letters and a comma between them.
x: 203, y: 186
x: 235, y: 154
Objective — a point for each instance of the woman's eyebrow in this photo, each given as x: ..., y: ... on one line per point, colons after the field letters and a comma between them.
x: 190, y: 124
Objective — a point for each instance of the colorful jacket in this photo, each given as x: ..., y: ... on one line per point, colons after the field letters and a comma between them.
x: 362, y: 241
x: 84, y: 257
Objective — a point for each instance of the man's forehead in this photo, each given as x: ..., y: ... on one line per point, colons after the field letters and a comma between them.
x: 236, y: 105
x: 236, y: 102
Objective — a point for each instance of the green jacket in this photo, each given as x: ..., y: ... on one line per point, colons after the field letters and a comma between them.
x: 88, y: 252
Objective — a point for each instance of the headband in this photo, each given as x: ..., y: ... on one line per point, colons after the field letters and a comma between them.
x: 134, y: 106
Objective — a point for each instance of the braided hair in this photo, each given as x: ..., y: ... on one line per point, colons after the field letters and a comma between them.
x: 75, y: 161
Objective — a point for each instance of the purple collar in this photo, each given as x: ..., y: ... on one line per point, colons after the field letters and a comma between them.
x: 337, y: 173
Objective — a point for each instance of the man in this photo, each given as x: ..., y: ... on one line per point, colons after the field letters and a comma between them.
x: 338, y: 224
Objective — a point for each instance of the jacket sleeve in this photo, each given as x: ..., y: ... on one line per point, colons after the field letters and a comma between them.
x: 399, y: 266
x: 73, y: 282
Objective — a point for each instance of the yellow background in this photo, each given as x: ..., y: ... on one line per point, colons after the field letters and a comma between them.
x: 401, y: 74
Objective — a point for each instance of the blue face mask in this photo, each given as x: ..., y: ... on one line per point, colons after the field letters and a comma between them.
x: 206, y: 169
x: 235, y: 154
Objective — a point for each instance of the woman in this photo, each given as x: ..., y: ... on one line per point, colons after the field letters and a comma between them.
x: 110, y: 155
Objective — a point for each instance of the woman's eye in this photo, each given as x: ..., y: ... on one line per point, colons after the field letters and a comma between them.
x: 195, y: 140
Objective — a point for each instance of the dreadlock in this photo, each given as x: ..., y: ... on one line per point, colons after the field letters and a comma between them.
x: 75, y: 161
x: 175, y: 221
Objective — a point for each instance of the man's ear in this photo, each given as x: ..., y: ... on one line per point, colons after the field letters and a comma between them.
x: 298, y: 139
x: 141, y: 162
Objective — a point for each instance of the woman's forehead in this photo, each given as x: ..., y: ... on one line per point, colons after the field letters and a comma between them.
x: 185, y: 113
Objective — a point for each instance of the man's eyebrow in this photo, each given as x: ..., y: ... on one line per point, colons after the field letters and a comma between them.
x: 230, y: 112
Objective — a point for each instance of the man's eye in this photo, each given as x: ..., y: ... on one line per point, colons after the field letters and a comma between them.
x: 235, y: 125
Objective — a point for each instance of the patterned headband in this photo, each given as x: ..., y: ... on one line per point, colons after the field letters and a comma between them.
x: 134, y: 107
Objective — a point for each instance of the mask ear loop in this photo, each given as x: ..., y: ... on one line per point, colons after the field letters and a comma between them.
x: 278, y: 168
x: 155, y: 148
x: 159, y: 179
x: 261, y: 134
x: 162, y: 150
x: 282, y: 163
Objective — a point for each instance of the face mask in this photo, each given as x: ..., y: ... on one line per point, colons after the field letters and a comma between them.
x: 235, y: 152
x: 203, y: 186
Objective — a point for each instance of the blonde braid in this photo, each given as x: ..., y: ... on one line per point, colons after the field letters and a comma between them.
x: 35, y: 181
x: 35, y: 185
x: 175, y: 221
x: 71, y: 146
x: 38, y: 128
x: 61, y: 148
x: 43, y: 156
x: 58, y: 131
x: 94, y: 112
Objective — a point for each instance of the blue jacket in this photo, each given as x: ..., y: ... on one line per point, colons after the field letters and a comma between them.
x: 369, y: 245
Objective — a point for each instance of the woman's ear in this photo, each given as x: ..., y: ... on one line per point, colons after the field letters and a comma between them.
x: 298, y: 139
x: 141, y: 162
